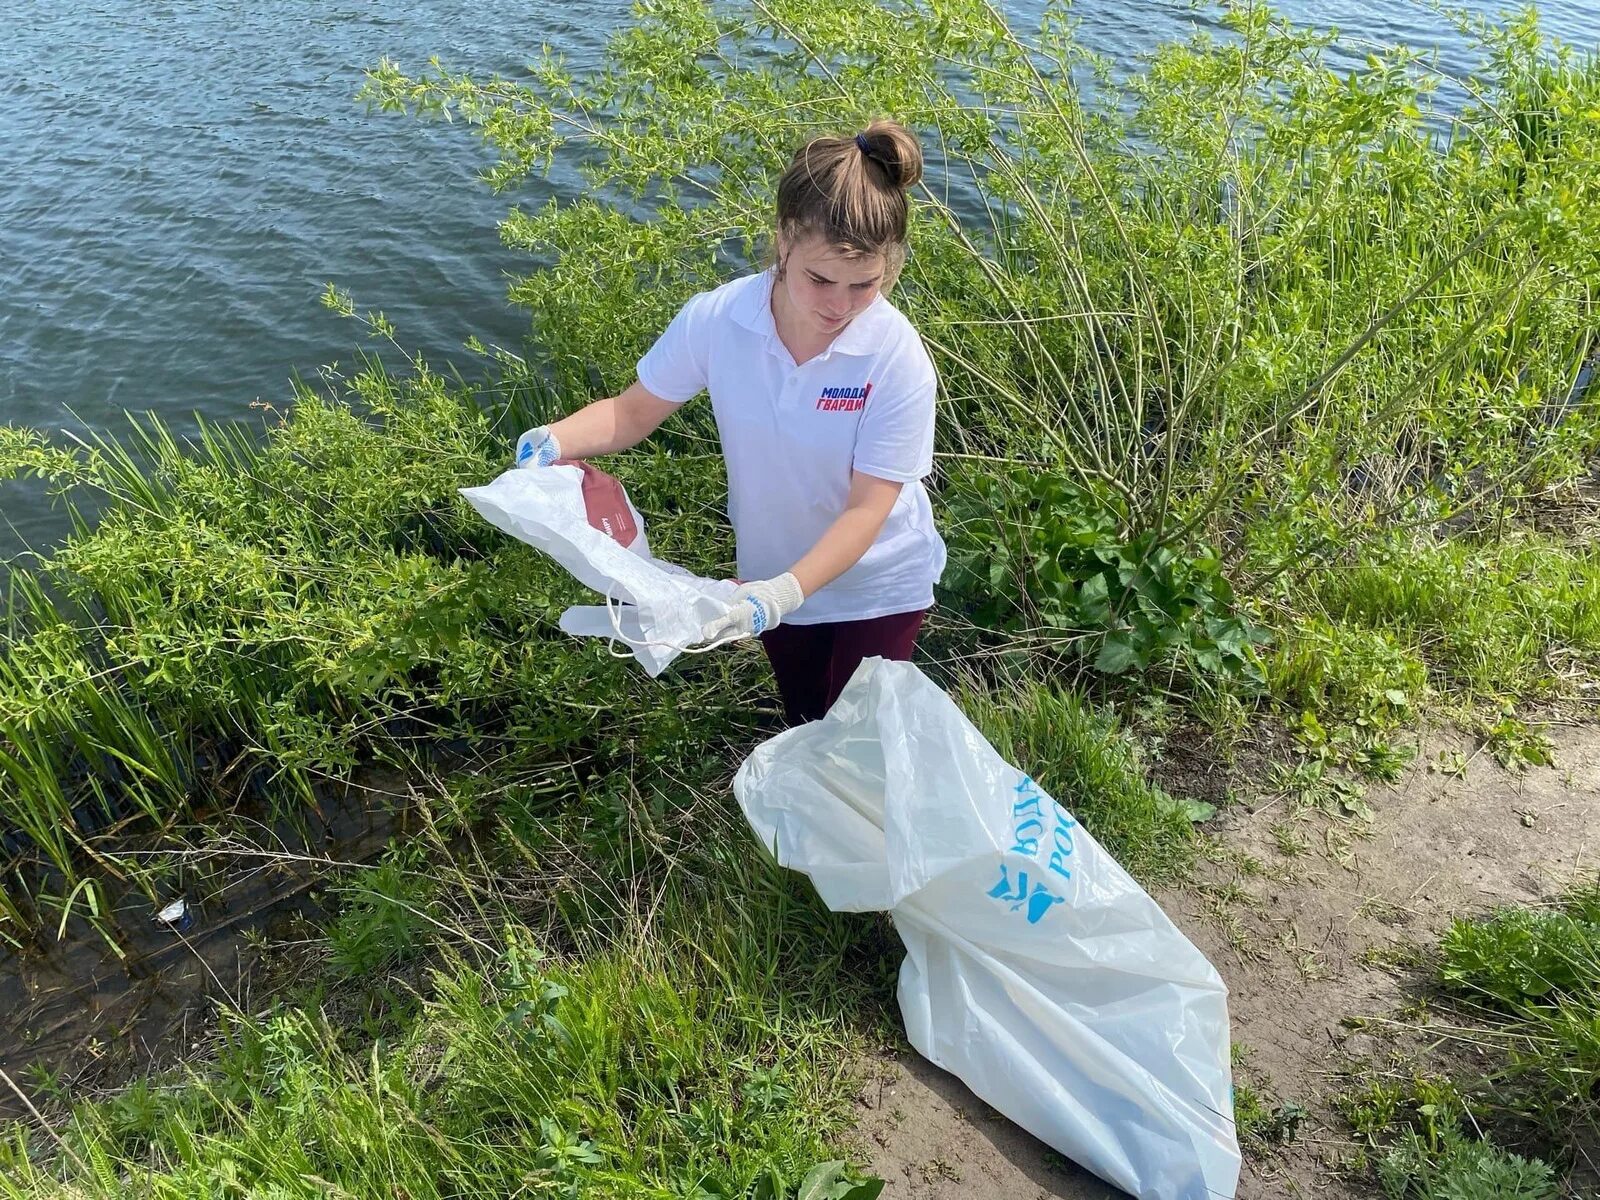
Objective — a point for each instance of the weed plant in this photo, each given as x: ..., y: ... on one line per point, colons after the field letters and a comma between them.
x: 1032, y: 553
x: 1530, y: 979
x: 1457, y: 1167
x: 1523, y: 991
x: 1428, y: 1148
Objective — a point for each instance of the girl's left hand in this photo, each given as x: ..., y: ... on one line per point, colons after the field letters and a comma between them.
x: 756, y: 608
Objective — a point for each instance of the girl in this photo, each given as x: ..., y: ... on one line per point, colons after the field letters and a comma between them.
x: 824, y: 401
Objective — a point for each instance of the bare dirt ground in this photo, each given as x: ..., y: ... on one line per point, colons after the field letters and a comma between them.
x: 1310, y: 920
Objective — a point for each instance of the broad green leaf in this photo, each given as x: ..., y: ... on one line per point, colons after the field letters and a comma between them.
x: 820, y: 1180
x: 867, y: 1189
x: 1117, y: 654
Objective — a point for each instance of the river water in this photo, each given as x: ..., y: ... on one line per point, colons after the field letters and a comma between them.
x: 182, y: 179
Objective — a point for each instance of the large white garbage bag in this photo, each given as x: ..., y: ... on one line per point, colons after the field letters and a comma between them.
x: 1036, y: 969
x: 584, y: 520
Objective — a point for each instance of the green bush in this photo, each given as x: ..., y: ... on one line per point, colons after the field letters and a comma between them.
x: 1239, y: 282
x: 252, y: 616
x: 1032, y: 551
x: 1231, y: 316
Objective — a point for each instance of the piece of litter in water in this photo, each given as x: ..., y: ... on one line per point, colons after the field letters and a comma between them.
x: 176, y: 914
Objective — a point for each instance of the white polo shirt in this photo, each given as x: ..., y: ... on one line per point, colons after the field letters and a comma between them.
x: 791, y: 435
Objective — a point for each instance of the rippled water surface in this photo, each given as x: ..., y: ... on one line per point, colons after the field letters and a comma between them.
x: 182, y: 179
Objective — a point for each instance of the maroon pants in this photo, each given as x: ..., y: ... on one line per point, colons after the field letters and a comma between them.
x: 814, y: 662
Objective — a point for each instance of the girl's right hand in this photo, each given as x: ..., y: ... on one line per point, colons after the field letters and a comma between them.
x: 537, y: 448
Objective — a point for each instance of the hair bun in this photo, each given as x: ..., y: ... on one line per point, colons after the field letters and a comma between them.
x: 895, y: 148
x: 851, y: 190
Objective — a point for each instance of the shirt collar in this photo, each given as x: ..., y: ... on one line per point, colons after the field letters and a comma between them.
x: 862, y: 336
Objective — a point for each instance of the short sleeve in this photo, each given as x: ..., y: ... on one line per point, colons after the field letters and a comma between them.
x: 677, y: 367
x: 895, y: 438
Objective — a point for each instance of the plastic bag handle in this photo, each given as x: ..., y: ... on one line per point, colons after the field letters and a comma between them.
x: 614, y: 608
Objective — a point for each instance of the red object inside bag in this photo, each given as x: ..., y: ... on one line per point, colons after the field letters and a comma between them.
x: 605, y: 503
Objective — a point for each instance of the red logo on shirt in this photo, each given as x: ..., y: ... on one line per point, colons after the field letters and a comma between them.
x: 844, y: 399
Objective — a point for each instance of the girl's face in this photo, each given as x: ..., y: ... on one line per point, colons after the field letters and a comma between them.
x: 823, y: 290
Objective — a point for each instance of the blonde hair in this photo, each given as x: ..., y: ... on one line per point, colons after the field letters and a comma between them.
x: 851, y: 191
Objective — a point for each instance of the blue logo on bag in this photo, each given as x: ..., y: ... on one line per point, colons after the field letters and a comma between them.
x: 1039, y: 901
x: 1033, y: 823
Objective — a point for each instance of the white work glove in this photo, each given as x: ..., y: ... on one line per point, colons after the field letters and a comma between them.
x: 757, y: 607
x: 537, y: 448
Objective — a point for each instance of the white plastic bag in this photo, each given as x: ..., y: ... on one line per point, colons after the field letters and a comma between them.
x: 1036, y: 969
x: 582, y: 518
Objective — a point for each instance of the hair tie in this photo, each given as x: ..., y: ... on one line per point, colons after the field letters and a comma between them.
x: 861, y: 144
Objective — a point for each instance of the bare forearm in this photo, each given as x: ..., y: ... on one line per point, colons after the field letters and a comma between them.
x: 838, y: 549
x: 603, y: 427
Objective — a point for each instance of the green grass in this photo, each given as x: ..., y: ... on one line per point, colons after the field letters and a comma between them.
x: 1483, y: 616
x: 1346, y: 672
x: 627, y: 1001
x: 641, y: 1074
x: 1464, y: 627
x: 1082, y: 758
